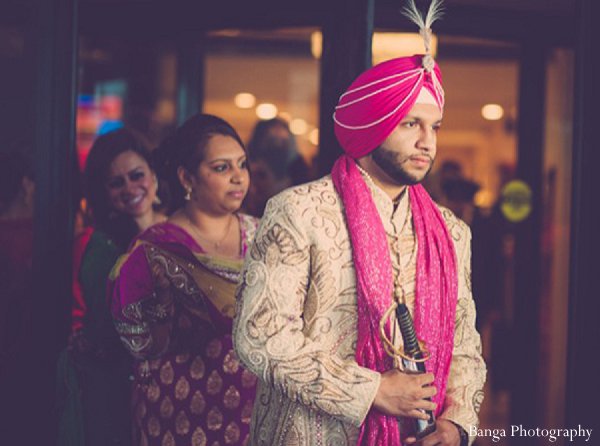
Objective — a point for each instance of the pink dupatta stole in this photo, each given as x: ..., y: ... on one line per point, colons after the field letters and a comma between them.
x: 436, y: 287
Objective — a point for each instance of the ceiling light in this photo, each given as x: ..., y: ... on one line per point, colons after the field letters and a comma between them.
x: 244, y: 100
x: 266, y: 111
x: 298, y: 126
x: 492, y: 112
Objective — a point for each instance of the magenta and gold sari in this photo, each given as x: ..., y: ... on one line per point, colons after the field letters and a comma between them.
x: 173, y: 308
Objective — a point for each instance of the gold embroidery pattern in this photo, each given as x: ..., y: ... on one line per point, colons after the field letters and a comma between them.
x: 322, y: 294
x: 231, y: 400
x: 154, y: 364
x: 174, y: 272
x: 198, y: 403
x: 153, y: 427
x: 135, y: 344
x: 197, y: 368
x: 232, y: 433
x: 214, y: 384
x: 460, y: 323
x: 143, y: 439
x: 182, y: 358
x: 214, y: 348
x: 477, y: 400
x: 142, y: 368
x: 182, y: 388
x: 182, y: 424
x: 199, y: 437
x: 248, y: 379
x: 133, y: 312
x: 155, y: 311
x: 167, y: 374
x: 456, y: 227
x: 247, y: 412
x: 214, y: 419
x: 166, y: 407
x: 288, y: 252
x: 231, y: 364
x: 168, y: 439
x: 153, y: 392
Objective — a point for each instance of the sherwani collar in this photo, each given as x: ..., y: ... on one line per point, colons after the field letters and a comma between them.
x: 394, y: 217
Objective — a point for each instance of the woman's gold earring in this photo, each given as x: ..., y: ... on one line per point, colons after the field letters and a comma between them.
x: 157, y: 201
x: 188, y: 195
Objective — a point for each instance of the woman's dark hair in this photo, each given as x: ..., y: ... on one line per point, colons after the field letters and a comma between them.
x: 186, y: 148
x: 119, y: 227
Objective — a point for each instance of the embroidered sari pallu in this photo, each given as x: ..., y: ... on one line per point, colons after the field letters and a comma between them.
x: 173, y: 307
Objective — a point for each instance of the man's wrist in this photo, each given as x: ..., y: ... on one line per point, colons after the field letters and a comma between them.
x: 463, y: 435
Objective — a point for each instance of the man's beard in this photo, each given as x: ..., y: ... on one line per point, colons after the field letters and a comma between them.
x: 387, y: 161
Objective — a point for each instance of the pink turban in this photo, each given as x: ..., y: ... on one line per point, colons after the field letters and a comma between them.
x: 380, y: 98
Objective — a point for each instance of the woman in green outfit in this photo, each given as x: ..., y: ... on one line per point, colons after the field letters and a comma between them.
x: 121, y: 193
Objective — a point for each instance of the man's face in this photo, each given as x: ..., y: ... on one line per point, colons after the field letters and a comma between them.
x: 406, y: 156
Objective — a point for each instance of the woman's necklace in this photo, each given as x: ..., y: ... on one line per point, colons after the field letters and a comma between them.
x: 216, y: 244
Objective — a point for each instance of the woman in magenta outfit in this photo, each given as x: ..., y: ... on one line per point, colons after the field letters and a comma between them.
x: 173, y: 296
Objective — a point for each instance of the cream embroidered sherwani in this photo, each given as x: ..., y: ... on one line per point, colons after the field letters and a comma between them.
x: 296, y: 319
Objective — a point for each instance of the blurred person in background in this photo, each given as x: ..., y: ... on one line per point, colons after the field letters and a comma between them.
x: 275, y: 163
x: 173, y: 295
x: 121, y: 192
x: 17, y: 190
x: 459, y: 196
x: 449, y: 170
x: 273, y: 133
